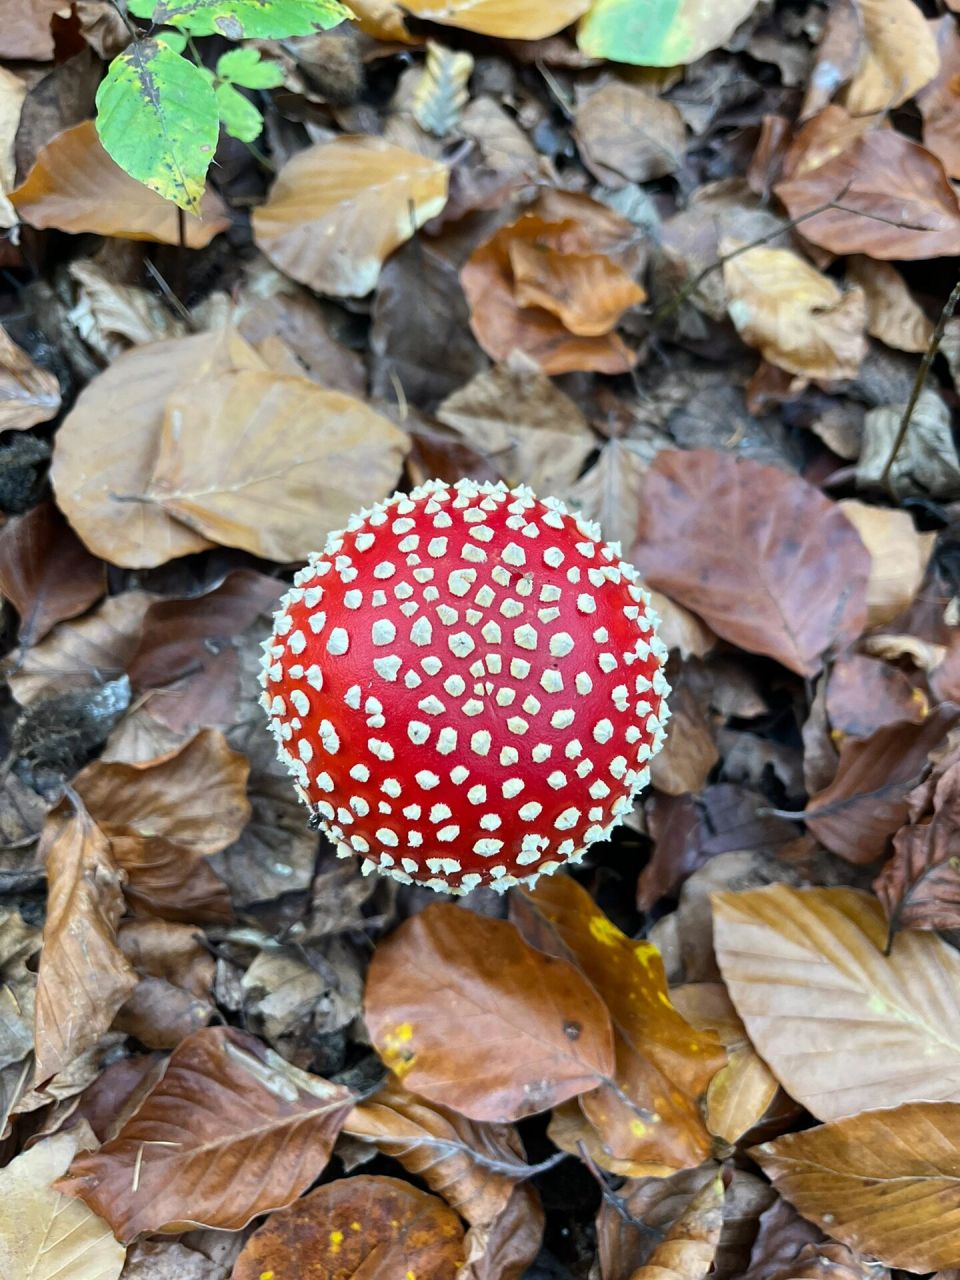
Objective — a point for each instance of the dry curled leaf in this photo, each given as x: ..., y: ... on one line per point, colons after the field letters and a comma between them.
x: 230, y: 1131
x: 357, y: 1225
x: 884, y: 1182
x: 338, y: 209
x: 843, y: 1027
x: 787, y: 579
x: 28, y: 394
x: 899, y: 56
x: 898, y: 557
x: 687, y: 1250
x: 926, y: 461
x: 893, y: 315
x: 939, y: 101
x: 441, y: 92
x: 467, y: 1014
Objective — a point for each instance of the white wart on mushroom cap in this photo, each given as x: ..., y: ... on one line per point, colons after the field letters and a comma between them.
x: 466, y: 686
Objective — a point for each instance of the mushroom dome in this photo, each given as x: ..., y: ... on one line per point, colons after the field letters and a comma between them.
x: 466, y: 686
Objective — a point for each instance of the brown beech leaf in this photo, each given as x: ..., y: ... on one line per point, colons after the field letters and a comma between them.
x: 793, y: 315
x: 920, y: 885
x: 338, y: 209
x: 467, y: 1014
x: 843, y: 1027
x: 883, y: 175
x: 46, y: 572
x: 899, y: 56
x: 787, y: 579
x: 356, y: 1226
x: 230, y: 1131
x: 508, y: 1248
x: 473, y: 1166
x: 893, y: 315
x: 244, y: 445
x: 26, y: 31
x: 28, y: 394
x: 864, y: 694
x: 99, y: 487
x: 75, y: 186
x: 898, y: 557
x: 576, y: 284
x: 927, y: 463
x: 45, y: 1235
x: 663, y: 1065
x: 506, y: 19
x: 84, y: 977
x: 164, y: 817
x: 626, y: 134
x: 939, y: 101
x: 866, y: 802
x: 687, y: 1250
x: 885, y: 1182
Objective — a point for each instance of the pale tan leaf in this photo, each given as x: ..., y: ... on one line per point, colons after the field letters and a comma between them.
x: 900, y: 56
x: 338, y: 209
x: 28, y: 394
x: 627, y: 134
x: 266, y: 462
x: 680, y: 629
x: 45, y: 1235
x: 886, y: 1183
x: 441, y: 91
x: 13, y: 90
x: 898, y: 557
x: 75, y: 186
x: 84, y: 976
x: 796, y: 317
x: 893, y: 315
x: 842, y: 1026
x: 507, y: 19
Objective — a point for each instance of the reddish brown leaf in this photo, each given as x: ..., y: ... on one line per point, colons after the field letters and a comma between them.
x: 46, y: 572
x: 511, y: 1244
x: 355, y: 1227
x: 84, y: 977
x: 867, y: 801
x: 864, y: 694
x: 688, y: 1249
x: 471, y: 1017
x: 788, y: 577
x: 884, y: 1182
x: 896, y: 201
x: 229, y: 1132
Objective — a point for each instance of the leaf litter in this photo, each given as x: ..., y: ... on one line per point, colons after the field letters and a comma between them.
x: 684, y: 274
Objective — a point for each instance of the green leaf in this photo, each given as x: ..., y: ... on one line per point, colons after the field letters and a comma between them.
x: 244, y: 19
x: 246, y: 67
x: 659, y: 33
x: 157, y: 118
x: 240, y: 117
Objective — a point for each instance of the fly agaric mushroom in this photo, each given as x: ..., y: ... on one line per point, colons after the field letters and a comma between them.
x: 466, y: 686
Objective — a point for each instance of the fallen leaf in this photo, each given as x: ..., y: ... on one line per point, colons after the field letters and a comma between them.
x: 843, y: 1027
x: 74, y: 186
x: 788, y: 578
x: 896, y: 201
x: 382, y: 19
x: 46, y: 572
x: 660, y: 34
x: 690, y: 752
x: 938, y: 101
x: 866, y: 802
x: 338, y: 209
x: 441, y: 91
x: 464, y: 1012
x: 509, y: 1248
x: 864, y: 695
x: 111, y: 317
x: 13, y: 91
x: 687, y: 1250
x: 893, y: 315
x: 353, y: 1225
x: 926, y: 462
x: 84, y: 977
x: 781, y: 1234
x: 884, y: 1182
x: 230, y: 1131
x: 475, y: 1167
x: 236, y: 445
x: 19, y: 944
x: 28, y: 394
x: 506, y: 19
x: 503, y: 317
x: 796, y: 317
x: 626, y: 134
x: 663, y: 1065
x: 45, y: 1235
x: 530, y: 430
x: 165, y: 817
x: 898, y: 557
x: 899, y: 56
x: 99, y: 487
x: 838, y: 57
x: 920, y: 885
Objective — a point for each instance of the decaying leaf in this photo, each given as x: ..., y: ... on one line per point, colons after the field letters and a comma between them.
x: 627, y: 134
x: 441, y: 91
x: 843, y: 1027
x: 464, y: 1012
x: 899, y: 56
x: 926, y: 461
x: 883, y: 1182
x: 687, y: 1250
x: 46, y: 571
x: 230, y: 1131
x: 28, y: 394
x: 346, y: 1227
x: 338, y: 209
x: 787, y: 579
x: 939, y: 101
x: 898, y: 557
x: 893, y: 315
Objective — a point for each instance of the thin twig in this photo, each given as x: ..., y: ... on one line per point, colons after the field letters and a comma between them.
x: 616, y: 1202
x: 125, y: 19
x: 170, y: 297
x: 556, y: 92
x: 933, y: 346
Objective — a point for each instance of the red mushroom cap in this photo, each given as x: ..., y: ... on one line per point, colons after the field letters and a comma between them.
x: 466, y: 686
